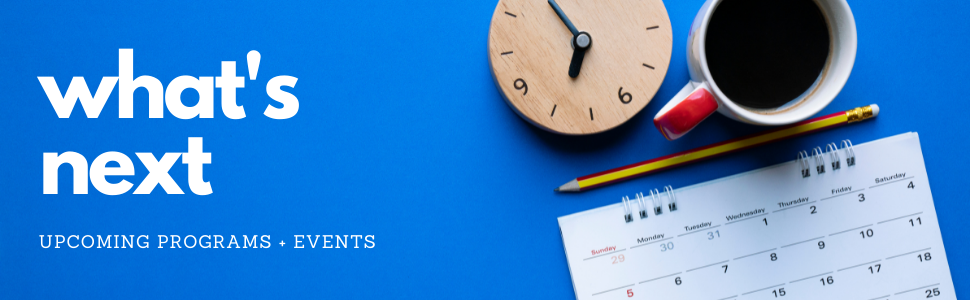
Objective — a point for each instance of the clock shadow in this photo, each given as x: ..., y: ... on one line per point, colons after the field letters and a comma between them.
x: 716, y: 128
x: 587, y: 143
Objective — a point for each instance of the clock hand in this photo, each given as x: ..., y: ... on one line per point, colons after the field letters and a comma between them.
x: 581, y: 41
x: 563, y: 17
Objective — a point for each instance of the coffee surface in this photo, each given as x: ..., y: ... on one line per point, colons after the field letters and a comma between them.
x: 764, y: 53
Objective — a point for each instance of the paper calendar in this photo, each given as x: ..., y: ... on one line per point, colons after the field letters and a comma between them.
x: 849, y: 222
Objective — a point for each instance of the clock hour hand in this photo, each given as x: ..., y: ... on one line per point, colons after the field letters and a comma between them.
x: 581, y: 41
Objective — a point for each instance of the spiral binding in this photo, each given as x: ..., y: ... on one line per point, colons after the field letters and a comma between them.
x: 818, y: 156
x: 849, y: 153
x: 671, y: 199
x: 655, y: 203
x: 833, y: 151
x: 627, y: 212
x: 804, y: 160
x: 643, y: 206
x: 819, y: 161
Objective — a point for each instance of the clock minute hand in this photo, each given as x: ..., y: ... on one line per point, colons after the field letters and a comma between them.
x: 563, y: 17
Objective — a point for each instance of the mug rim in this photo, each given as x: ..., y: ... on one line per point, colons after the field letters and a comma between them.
x: 833, y: 77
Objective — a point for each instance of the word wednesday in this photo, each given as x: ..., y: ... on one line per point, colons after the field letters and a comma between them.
x: 747, y: 213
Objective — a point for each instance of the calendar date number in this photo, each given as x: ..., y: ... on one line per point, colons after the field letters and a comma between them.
x: 667, y: 246
x: 827, y: 281
x: 618, y: 258
x: 924, y: 257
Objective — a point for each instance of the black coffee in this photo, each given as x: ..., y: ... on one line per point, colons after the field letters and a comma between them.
x: 765, y: 53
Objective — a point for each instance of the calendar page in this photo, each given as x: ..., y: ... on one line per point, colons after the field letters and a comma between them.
x: 867, y: 231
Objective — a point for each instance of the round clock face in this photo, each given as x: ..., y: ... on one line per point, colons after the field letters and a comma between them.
x: 579, y: 66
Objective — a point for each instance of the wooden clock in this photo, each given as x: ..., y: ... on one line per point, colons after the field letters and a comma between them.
x: 579, y: 67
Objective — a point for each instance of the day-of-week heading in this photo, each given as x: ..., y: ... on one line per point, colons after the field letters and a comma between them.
x: 890, y: 178
x: 793, y: 202
x: 745, y: 214
x: 844, y: 189
x: 698, y: 226
x: 604, y: 250
x: 650, y: 238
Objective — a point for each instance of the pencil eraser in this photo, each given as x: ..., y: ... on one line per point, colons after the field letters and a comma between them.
x: 875, y: 110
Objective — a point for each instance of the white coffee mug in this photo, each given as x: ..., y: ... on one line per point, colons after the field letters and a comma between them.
x: 702, y: 97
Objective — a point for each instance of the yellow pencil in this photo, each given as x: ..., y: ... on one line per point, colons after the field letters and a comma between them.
x: 679, y: 159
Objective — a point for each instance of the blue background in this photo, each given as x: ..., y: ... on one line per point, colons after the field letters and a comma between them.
x: 401, y: 134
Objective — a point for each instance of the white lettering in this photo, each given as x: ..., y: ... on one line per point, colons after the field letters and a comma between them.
x: 77, y: 90
x: 290, y: 104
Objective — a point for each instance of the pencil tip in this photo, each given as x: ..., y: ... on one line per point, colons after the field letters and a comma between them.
x: 556, y: 190
x: 571, y: 186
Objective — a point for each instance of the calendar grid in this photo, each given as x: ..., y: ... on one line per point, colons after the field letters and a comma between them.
x: 859, y: 265
x: 894, y: 219
x: 843, y: 194
x: 762, y: 289
x: 858, y: 239
x: 605, y: 254
x: 753, y: 254
x: 748, y: 218
x: 610, y: 290
x: 919, y: 288
x: 705, y: 229
x: 810, y: 277
x: 661, y: 277
x: 805, y: 241
x: 908, y: 253
x: 651, y: 243
x: 790, y: 207
x: 710, y: 265
x: 853, y: 229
